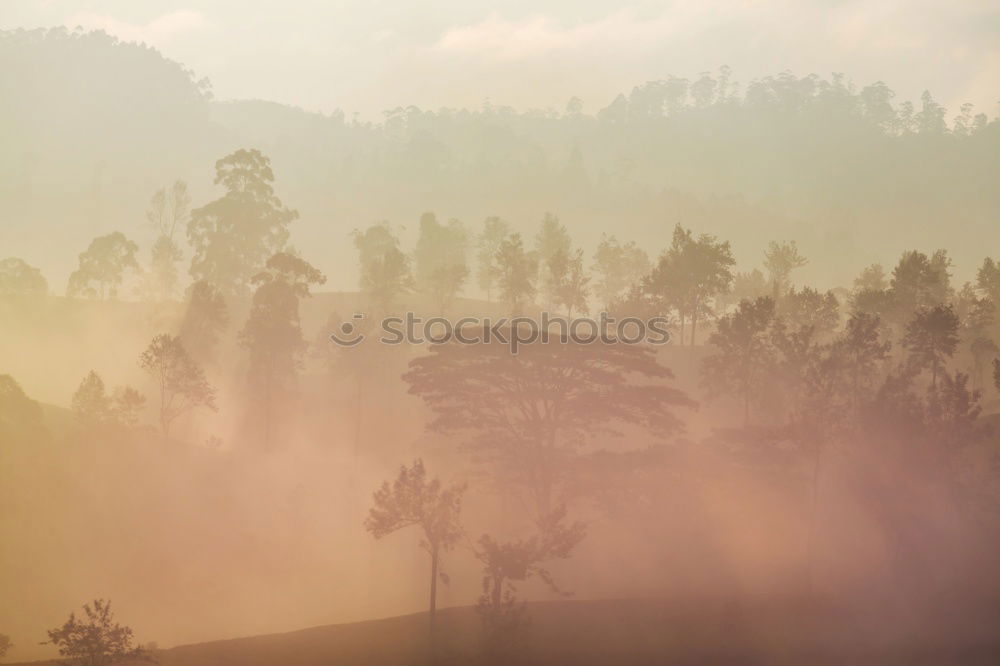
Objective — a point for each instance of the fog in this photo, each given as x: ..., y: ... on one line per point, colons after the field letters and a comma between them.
x: 807, y: 472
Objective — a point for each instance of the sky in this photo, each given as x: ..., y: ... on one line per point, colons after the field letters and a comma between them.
x: 366, y: 56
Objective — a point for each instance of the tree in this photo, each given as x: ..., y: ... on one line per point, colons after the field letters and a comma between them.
x: 570, y: 286
x: 413, y: 500
x: 384, y: 269
x: 5, y: 645
x: 95, y: 408
x: 19, y: 279
x: 871, y: 278
x: 273, y: 334
x: 918, y: 282
x: 506, y: 563
x: 168, y: 211
x: 988, y: 280
x: 527, y: 418
x: 96, y: 639
x: 862, y: 350
x: 440, y: 259
x: 690, y: 274
x: 204, y: 320
x: 809, y: 307
x: 744, y: 352
x: 518, y: 272
x: 780, y: 259
x: 20, y: 416
x: 618, y: 268
x: 180, y: 380
x: 552, y: 240
x: 488, y: 243
x: 91, y: 404
x: 233, y: 236
x: 932, y: 338
x: 102, y: 267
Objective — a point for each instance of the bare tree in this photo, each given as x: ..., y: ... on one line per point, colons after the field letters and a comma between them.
x: 181, y: 381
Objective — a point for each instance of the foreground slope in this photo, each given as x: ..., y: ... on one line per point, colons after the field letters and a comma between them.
x: 636, y: 632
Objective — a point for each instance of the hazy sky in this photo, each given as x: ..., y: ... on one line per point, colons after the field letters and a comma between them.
x: 369, y: 55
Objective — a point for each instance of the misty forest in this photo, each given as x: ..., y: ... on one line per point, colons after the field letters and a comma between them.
x: 193, y: 472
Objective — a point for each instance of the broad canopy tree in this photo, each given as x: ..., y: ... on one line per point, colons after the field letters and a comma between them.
x: 528, y: 417
x: 102, y: 267
x: 96, y: 639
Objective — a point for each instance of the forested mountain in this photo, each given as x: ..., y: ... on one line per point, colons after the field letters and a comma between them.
x: 91, y: 126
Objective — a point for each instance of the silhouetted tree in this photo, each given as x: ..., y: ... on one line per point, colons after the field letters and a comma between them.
x: 96, y: 639
x: 862, y: 350
x: 780, y: 259
x: 518, y: 272
x: 272, y: 333
x: 918, y: 282
x: 414, y: 500
x: 20, y: 416
x: 618, y: 268
x: 527, y: 417
x: 871, y: 278
x: 204, y: 320
x: 180, y: 380
x: 690, y: 274
x: 569, y: 284
x: 809, y: 307
x: 384, y: 269
x: 440, y: 260
x: 102, y: 267
x: 168, y: 212
x: 744, y: 353
x: 495, y: 231
x: 95, y: 408
x: 234, y: 235
x: 551, y: 240
x: 932, y: 338
x: 5, y: 645
x: 19, y: 279
x: 507, y: 563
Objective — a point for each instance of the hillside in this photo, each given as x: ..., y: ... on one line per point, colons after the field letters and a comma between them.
x: 624, y: 632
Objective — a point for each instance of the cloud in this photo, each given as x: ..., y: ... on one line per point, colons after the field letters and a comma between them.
x: 157, y: 32
x: 539, y: 35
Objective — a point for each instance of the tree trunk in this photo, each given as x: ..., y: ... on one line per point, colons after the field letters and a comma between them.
x: 434, y: 577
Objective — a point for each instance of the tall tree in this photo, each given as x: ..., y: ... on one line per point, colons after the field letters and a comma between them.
x: 441, y: 268
x: 273, y: 335
x: 932, y: 338
x: 167, y: 214
x: 618, y: 267
x: 102, y: 267
x: 918, y: 282
x: 517, y: 271
x: 414, y: 500
x: 780, y: 259
x: 181, y: 382
x: 570, y: 285
x: 862, y: 349
x: 384, y: 269
x: 690, y: 274
x: 552, y: 240
x: 488, y: 243
x: 233, y: 236
x: 205, y: 318
x: 744, y: 353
